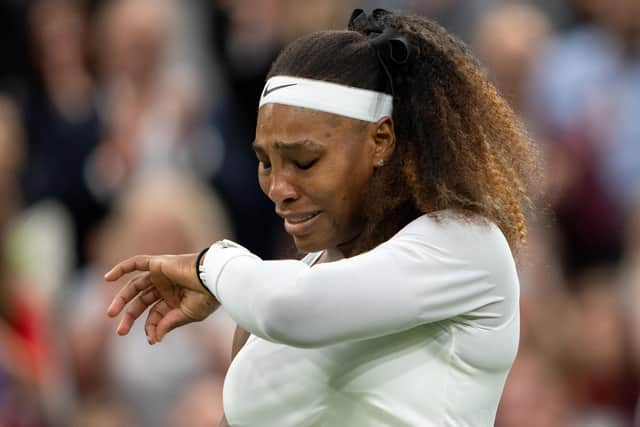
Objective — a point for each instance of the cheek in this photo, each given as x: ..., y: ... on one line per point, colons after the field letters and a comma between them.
x: 360, y: 182
x: 348, y: 193
x: 357, y: 176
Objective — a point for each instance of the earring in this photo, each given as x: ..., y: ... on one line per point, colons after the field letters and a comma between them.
x: 380, y: 163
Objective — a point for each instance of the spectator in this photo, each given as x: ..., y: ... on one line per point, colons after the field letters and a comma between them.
x: 23, y: 345
x: 582, y: 90
x: 149, y: 109
x: 158, y: 213
x: 62, y: 125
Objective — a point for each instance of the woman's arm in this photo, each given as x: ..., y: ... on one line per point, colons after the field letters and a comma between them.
x: 433, y: 271
x: 402, y: 283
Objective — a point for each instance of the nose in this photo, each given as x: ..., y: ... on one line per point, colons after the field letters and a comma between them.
x: 281, y: 188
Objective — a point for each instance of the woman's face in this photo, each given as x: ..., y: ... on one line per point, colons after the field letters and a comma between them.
x: 314, y: 166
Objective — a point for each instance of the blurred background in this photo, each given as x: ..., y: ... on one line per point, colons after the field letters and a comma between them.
x: 125, y: 127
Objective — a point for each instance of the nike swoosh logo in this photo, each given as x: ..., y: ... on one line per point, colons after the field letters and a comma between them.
x: 268, y: 90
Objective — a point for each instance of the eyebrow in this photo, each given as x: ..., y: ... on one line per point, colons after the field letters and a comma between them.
x: 306, y: 144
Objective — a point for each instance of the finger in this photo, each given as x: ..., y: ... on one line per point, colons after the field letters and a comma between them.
x: 133, y: 287
x: 157, y: 312
x: 166, y: 288
x: 136, y: 308
x: 170, y: 321
x: 136, y: 263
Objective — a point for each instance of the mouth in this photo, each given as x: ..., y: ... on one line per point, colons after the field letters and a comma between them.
x: 300, y: 224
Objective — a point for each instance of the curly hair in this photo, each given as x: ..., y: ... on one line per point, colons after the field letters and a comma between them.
x: 459, y: 146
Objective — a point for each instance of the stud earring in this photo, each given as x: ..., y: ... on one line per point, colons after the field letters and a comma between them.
x: 380, y: 163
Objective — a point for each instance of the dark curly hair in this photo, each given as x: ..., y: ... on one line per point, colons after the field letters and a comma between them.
x: 459, y: 145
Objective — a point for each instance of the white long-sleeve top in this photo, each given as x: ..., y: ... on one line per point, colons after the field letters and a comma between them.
x: 420, y: 331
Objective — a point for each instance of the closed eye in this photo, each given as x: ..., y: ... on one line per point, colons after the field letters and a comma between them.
x: 305, y: 166
x: 265, y: 165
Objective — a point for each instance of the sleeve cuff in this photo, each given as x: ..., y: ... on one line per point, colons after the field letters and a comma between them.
x: 218, y: 255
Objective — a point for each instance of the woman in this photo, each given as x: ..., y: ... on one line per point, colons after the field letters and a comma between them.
x: 398, y: 168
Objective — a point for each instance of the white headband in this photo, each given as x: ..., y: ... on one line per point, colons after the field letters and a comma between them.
x: 333, y: 98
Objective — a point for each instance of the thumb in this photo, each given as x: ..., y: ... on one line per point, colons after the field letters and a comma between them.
x: 173, y: 319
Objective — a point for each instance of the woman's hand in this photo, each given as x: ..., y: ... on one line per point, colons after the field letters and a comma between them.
x: 170, y: 283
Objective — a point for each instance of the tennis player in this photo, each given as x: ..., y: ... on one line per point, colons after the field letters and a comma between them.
x: 403, y: 174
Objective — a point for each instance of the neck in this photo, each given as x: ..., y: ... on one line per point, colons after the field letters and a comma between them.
x: 343, y: 250
x: 330, y: 255
x: 347, y: 249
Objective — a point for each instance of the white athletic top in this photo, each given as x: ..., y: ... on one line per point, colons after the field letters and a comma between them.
x: 420, y: 331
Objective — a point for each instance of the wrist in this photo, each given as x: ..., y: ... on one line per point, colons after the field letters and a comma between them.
x: 200, y: 270
x: 215, y: 260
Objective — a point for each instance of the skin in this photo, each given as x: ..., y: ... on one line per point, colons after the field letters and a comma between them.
x: 310, y: 162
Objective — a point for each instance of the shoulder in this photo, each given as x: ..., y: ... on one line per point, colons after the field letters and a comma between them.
x: 451, y: 234
x: 449, y: 223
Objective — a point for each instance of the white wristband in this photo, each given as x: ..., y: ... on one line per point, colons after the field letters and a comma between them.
x: 218, y: 255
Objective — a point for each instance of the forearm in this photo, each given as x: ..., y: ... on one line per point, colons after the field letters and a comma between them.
x: 398, y: 285
x: 289, y: 302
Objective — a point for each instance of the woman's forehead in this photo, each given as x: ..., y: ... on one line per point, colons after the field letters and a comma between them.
x: 285, y: 119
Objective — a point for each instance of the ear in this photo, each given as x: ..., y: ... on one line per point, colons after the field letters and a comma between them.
x: 383, y: 137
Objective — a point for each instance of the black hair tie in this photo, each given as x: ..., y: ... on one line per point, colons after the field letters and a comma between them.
x: 391, y: 47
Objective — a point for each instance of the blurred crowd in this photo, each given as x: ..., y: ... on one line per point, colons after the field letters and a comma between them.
x: 126, y: 125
